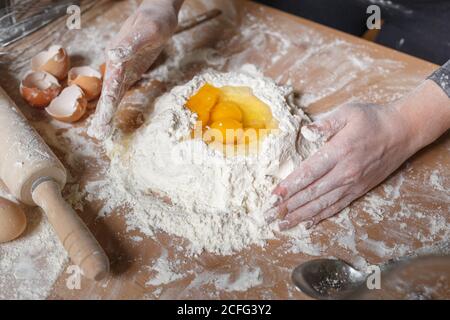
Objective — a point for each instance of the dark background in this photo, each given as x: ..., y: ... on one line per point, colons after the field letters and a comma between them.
x: 417, y: 27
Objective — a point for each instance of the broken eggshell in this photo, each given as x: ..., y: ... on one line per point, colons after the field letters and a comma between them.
x: 39, y: 88
x: 102, y: 69
x: 88, y: 79
x: 69, y: 106
x: 54, y: 61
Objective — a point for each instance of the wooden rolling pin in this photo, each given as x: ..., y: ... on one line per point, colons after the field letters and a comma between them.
x: 34, y: 175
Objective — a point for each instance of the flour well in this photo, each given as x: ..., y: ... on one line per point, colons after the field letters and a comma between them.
x: 186, y: 188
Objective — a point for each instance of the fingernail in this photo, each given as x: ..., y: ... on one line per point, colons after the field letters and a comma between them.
x: 271, y: 214
x: 310, y: 132
x: 280, y: 191
x: 278, y: 200
x: 309, y: 224
x: 273, y: 201
x: 284, y: 225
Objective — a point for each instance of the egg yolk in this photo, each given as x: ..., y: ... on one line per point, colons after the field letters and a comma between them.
x: 203, y: 101
x: 227, y: 130
x: 230, y: 115
x: 226, y: 110
x: 255, y: 113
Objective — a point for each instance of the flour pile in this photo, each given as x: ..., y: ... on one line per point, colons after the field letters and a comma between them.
x: 185, y: 187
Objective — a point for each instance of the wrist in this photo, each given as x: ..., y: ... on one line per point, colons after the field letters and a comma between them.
x: 425, y: 112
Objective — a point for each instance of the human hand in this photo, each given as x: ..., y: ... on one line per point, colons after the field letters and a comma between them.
x: 135, y: 48
x: 365, y: 144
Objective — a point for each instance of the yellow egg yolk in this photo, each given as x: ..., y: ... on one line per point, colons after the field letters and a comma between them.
x: 226, y: 110
x: 203, y: 101
x: 226, y: 130
x: 255, y: 113
x: 231, y: 115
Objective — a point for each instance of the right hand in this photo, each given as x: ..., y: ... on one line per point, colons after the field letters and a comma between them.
x: 135, y: 48
x: 365, y: 143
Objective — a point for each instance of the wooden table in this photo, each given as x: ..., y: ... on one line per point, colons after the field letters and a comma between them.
x: 326, y: 67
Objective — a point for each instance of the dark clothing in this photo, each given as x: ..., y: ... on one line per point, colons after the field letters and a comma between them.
x: 418, y: 27
x: 442, y: 77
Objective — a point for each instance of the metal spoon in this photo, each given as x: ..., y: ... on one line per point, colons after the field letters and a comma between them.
x: 327, y: 279
x: 330, y: 279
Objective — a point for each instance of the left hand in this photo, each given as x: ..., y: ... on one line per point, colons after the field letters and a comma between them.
x: 134, y: 49
x: 366, y: 143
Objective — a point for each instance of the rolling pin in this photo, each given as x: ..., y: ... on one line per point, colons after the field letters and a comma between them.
x: 35, y: 176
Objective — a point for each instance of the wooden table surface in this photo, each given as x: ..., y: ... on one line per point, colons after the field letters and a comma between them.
x: 409, y: 211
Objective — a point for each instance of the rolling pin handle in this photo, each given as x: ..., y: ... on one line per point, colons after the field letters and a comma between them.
x: 80, y: 244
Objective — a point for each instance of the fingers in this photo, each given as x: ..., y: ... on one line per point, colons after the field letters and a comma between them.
x: 332, y: 210
x: 319, y: 163
x: 308, y: 211
x: 113, y: 85
x: 136, y: 47
x: 145, y: 37
x: 126, y: 29
x: 148, y: 29
x: 326, y: 127
x: 308, y: 171
x: 327, y: 183
x: 310, y: 180
x: 277, y: 212
x: 112, y: 91
x: 322, y: 130
x: 318, y: 188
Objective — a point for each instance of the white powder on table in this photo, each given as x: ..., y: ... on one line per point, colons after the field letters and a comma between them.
x: 30, y: 265
x: 164, y: 272
x: 436, y: 181
x: 247, y: 278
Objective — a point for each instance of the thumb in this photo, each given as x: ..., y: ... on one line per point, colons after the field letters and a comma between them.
x: 324, y: 129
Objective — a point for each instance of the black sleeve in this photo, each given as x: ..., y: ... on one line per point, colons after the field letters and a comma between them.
x: 442, y: 77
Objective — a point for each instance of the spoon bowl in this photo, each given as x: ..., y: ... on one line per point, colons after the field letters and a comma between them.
x: 327, y: 279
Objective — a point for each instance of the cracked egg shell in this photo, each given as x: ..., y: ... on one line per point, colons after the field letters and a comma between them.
x: 39, y: 88
x: 88, y: 79
x: 12, y: 221
x: 69, y: 106
x: 54, y: 61
x: 102, y: 69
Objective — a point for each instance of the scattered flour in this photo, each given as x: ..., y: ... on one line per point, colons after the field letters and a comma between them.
x: 30, y: 265
x: 137, y: 239
x: 248, y: 278
x: 300, y: 241
x: 164, y: 272
x: 436, y: 181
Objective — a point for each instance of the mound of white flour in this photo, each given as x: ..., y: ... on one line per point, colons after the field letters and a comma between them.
x: 216, y: 200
